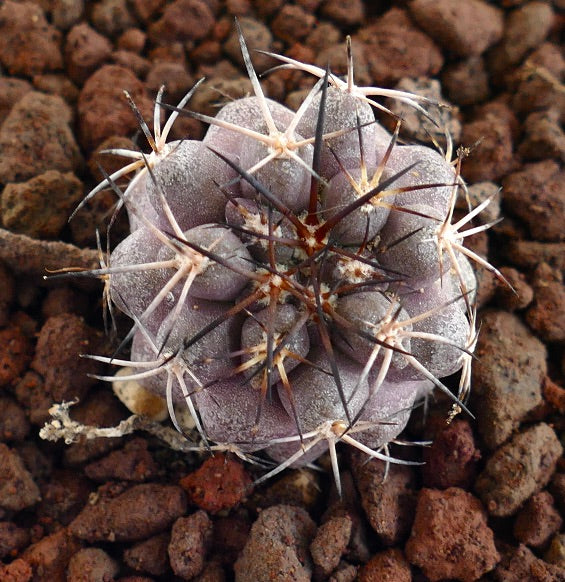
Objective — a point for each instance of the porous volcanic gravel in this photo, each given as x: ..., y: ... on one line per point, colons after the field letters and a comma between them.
x: 489, y: 504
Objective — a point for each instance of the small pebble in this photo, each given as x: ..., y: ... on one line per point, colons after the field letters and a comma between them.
x: 388, y: 503
x: 537, y: 521
x: 29, y: 45
x: 450, y: 537
x: 447, y: 21
x: 518, y: 469
x: 136, y: 514
x: 36, y: 137
x: 220, y: 483
x: 387, y: 566
x: 150, y: 555
x: 281, y: 536
x: 92, y: 565
x: 190, y: 539
x: 507, y: 375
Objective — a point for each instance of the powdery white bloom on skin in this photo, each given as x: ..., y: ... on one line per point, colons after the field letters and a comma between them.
x: 296, y: 278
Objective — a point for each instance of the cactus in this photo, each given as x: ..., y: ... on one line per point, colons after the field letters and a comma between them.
x: 296, y: 278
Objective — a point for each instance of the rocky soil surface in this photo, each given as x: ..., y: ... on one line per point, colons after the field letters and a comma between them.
x: 490, y: 500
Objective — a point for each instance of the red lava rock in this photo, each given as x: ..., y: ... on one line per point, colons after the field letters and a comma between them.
x: 132, y: 39
x: 330, y: 543
x: 395, y: 48
x: 525, y: 29
x: 466, y: 82
x: 529, y: 254
x: 28, y: 43
x: 549, y: 56
x: 12, y: 539
x: 92, y: 565
x: 537, y: 521
x: 520, y: 297
x: 64, y: 300
x: 57, y: 84
x: 102, y: 108
x: 544, y: 137
x: 388, y: 503
x: 535, y: 195
x: 31, y: 395
x: 11, y: 91
x: 183, y: 20
x: 518, y: 469
x: 136, y: 514
x: 137, y: 64
x: 538, y: 89
x: 61, y: 342
x: 85, y: 51
x: 508, y: 375
x: 64, y: 496
x: 279, y: 538
x: 238, y: 7
x: 191, y: 538
x: 14, y: 425
x: 15, y: 354
x: 50, y: 556
x: 450, y: 537
x: 490, y: 137
x: 36, y: 137
x: 345, y: 13
x: 40, y: 207
x: 111, y: 17
x: 554, y: 394
x: 132, y: 463
x: 292, y: 23
x: 520, y: 564
x: 173, y: 76
x: 66, y: 13
x: 149, y: 555
x: 325, y: 36
x: 349, y: 506
x: 100, y: 408
x: 387, y: 566
x: 16, y: 571
x: 447, y: 21
x: 452, y: 458
x: 17, y: 487
x: 220, y: 483
x: 546, y: 315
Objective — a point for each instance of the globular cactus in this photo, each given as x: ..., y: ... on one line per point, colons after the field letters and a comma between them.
x: 296, y: 278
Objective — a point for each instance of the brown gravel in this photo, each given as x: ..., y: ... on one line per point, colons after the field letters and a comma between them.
x: 156, y: 507
x: 508, y: 375
x: 527, y: 462
x: 388, y: 503
x: 117, y: 508
x: 36, y: 137
x: 450, y: 537
x: 280, y: 536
